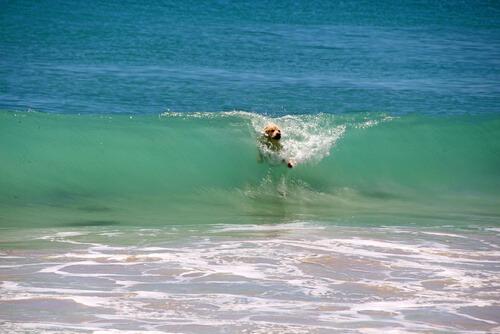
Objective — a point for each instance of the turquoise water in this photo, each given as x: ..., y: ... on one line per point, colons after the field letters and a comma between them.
x: 132, y: 199
x: 195, y: 168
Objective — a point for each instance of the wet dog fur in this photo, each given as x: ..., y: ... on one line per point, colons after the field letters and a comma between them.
x: 271, y: 139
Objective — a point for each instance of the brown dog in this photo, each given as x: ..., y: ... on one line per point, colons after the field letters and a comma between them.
x: 271, y: 138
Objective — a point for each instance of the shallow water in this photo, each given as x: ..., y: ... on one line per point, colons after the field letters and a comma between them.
x: 300, y: 277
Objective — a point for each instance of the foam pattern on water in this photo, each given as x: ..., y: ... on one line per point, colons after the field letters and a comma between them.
x: 288, y: 278
x: 306, y: 138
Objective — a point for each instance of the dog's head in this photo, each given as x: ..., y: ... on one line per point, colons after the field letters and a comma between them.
x: 272, y: 132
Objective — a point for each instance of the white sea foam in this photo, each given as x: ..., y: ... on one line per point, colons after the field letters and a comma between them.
x: 117, y: 331
x: 295, y: 277
x: 305, y: 138
x: 278, y: 227
x: 68, y: 234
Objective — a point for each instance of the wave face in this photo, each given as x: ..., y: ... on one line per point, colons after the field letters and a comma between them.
x: 202, y: 167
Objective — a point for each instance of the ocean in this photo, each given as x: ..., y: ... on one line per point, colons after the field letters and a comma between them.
x: 136, y: 194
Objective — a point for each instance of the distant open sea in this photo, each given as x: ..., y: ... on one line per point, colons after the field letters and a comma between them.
x: 132, y: 194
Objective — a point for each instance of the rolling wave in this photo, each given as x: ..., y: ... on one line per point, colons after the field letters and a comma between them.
x: 203, y: 165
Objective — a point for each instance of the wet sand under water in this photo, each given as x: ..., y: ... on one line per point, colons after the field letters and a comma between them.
x: 287, y: 278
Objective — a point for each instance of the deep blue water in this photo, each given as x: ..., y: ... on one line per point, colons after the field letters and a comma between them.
x: 277, y: 58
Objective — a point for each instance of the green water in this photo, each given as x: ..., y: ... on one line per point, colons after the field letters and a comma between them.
x: 182, y: 169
